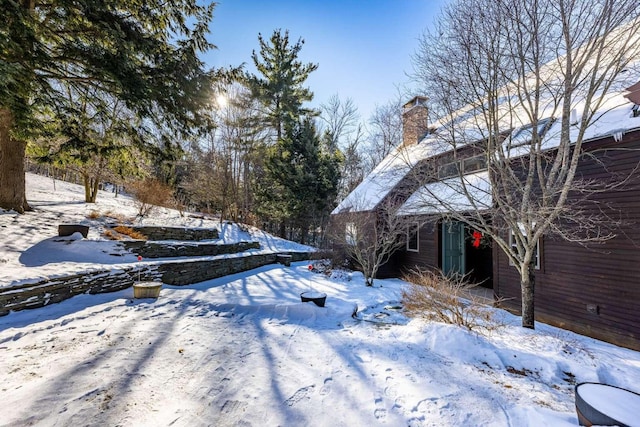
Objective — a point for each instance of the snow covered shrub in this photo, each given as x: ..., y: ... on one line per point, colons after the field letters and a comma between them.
x: 445, y: 298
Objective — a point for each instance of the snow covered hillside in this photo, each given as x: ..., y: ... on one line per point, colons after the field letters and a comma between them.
x: 243, y: 350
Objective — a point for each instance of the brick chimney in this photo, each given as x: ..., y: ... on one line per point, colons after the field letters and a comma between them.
x: 414, y: 120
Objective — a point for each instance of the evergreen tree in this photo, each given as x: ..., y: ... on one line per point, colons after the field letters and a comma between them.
x: 280, y: 88
x: 91, y: 136
x: 144, y: 53
x: 301, y: 179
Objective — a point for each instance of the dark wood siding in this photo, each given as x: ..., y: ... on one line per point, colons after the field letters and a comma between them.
x: 428, y: 250
x: 591, y: 290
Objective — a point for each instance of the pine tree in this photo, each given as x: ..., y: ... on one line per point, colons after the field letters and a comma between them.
x: 280, y: 88
x: 301, y: 179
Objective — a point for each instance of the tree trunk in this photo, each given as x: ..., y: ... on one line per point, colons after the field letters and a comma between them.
x: 527, y: 286
x: 87, y: 187
x: 94, y: 189
x: 12, y: 174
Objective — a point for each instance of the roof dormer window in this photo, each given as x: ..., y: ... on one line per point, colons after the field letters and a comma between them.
x: 524, y: 135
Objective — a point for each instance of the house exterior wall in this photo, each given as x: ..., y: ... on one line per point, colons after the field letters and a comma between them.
x: 591, y: 290
x: 428, y: 254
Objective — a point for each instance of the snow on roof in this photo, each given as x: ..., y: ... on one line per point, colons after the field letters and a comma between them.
x: 465, y: 126
x: 472, y: 192
x: 382, y: 179
x: 613, y: 118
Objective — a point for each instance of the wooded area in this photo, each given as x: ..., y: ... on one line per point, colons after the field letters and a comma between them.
x: 113, y: 92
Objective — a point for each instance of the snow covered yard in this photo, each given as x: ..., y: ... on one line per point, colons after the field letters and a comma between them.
x: 243, y: 350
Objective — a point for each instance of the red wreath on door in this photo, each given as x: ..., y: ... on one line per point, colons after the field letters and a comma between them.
x: 477, y: 236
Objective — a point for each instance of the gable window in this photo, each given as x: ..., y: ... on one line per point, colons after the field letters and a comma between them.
x: 448, y: 170
x: 473, y: 164
x: 413, y: 238
x: 351, y: 233
x: 524, y: 135
x: 461, y: 167
x: 536, y: 254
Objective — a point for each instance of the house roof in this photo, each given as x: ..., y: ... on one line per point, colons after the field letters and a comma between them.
x: 465, y: 126
x: 614, y: 118
x: 384, y: 177
x: 471, y: 193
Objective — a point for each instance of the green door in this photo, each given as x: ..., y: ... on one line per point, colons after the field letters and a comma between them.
x: 453, y: 247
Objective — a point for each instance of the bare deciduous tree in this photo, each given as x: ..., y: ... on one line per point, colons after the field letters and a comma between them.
x: 339, y: 119
x: 341, y: 122
x: 370, y: 237
x: 385, y: 130
x: 221, y: 166
x: 506, y: 78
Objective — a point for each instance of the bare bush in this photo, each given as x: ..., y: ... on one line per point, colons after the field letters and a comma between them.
x: 127, y: 231
x: 111, y: 235
x: 150, y: 193
x: 445, y: 298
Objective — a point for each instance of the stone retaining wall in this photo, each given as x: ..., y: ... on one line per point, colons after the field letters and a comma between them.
x: 177, y: 233
x: 186, y: 273
x: 168, y: 250
x: 47, y: 291
x: 58, y: 289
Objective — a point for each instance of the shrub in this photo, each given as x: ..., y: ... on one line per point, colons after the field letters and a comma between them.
x: 150, y: 193
x: 127, y: 231
x: 94, y: 215
x: 445, y: 298
x: 109, y: 234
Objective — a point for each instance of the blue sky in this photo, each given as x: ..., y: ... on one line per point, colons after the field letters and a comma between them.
x: 363, y: 48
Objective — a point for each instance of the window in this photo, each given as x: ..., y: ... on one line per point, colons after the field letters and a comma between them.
x: 449, y: 170
x: 524, y: 135
x: 473, y: 164
x: 351, y: 233
x: 465, y: 166
x: 512, y: 242
x: 413, y: 237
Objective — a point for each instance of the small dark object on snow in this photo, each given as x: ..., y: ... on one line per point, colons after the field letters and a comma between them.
x: 318, y: 298
x: 69, y: 229
x: 284, y: 259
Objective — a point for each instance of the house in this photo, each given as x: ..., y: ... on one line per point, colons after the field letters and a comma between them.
x: 590, y: 287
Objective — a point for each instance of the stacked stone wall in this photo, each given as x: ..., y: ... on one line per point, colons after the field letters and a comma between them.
x: 147, y: 249
x: 177, y: 233
x: 183, y: 272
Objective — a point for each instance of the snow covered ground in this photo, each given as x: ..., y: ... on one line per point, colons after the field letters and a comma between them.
x: 244, y: 351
